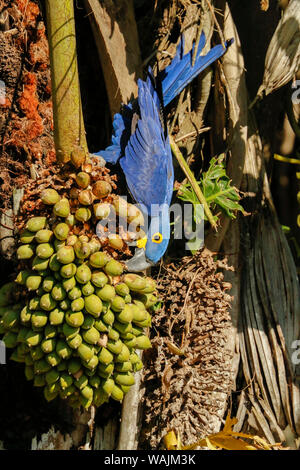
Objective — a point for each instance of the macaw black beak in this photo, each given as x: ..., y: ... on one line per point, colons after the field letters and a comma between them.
x: 138, y: 262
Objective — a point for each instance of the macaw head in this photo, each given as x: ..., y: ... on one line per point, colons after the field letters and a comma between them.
x: 152, y: 247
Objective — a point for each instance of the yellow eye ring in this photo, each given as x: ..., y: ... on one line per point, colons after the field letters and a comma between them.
x: 157, y: 238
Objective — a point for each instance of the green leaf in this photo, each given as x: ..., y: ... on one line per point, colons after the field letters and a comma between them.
x: 217, y: 190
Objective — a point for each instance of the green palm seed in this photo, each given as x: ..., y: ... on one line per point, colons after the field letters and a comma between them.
x: 95, y: 381
x: 70, y: 220
x: 58, y: 244
x: 77, y: 304
x: 21, y: 337
x: 122, y: 289
x: 33, y: 282
x: 123, y: 366
x: 70, y: 331
x: 135, y: 282
x: 81, y: 382
x: 87, y: 289
x: 143, y: 342
x: 123, y: 328
x: 34, y: 303
x: 48, y: 345
x: 22, y: 276
x: 117, y: 393
x: 88, y: 322
x: 149, y: 287
x: 50, y: 196
x: 35, y: 224
x: 87, y: 393
x: 107, y: 385
x: 65, y: 381
x: 83, y: 214
x: 148, y: 300
x: 75, y: 342
x: 68, y: 270
x: 82, y: 249
x: 33, y: 338
x: 145, y: 323
x: 125, y: 378
x: 63, y: 350
x: 114, y: 268
x: 56, y: 317
x: 74, y: 293
x: 44, y: 250
x: 43, y: 236
x: 105, y: 356
x: 91, y: 364
x: 25, y: 251
x: 40, y: 264
x: 71, y: 240
x: 61, y: 231
x: 93, y: 305
x: 130, y: 343
x: 128, y: 299
x: 48, y: 284
x: 105, y: 370
x: 91, y: 335
x: 36, y: 353
x: 83, y: 274
x: 85, y: 351
x: 26, y: 236
x: 66, y: 255
x: 83, y: 179
x: 67, y: 392
x: 118, y: 304
x: 62, y: 208
x: 139, y: 315
x: 54, y: 264
x: 49, y: 396
x: 114, y: 346
x: 106, y: 293
x: 69, y: 284
x: 74, y: 319
x: 126, y: 315
x: 50, y: 331
x: 124, y: 355
x: 108, y: 317
x: 95, y: 245
x: 52, y: 376
x: 137, y: 330
x: 39, y: 319
x: 47, y: 302
x: 99, y: 279
x: 74, y: 366
x: 53, y: 359
x: 113, y: 334
x: 99, y: 259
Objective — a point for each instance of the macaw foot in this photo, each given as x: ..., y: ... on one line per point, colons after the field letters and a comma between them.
x: 138, y: 262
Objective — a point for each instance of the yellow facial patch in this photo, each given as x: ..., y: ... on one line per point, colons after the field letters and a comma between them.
x: 157, y: 237
x: 141, y: 243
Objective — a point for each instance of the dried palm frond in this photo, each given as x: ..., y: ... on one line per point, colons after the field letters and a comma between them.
x: 283, y: 55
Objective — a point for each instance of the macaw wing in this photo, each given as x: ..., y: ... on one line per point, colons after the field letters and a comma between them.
x: 177, y: 76
x: 120, y: 136
x: 147, y: 163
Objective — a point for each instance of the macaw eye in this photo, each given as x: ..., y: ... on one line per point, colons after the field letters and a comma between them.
x: 157, y: 238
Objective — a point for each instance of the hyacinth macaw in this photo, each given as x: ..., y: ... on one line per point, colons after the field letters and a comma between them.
x: 141, y: 145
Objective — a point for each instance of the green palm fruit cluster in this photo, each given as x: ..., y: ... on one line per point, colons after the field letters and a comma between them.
x: 83, y: 318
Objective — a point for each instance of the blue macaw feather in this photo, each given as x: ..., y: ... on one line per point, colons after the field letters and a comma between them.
x: 147, y: 163
x: 142, y: 146
x: 174, y: 78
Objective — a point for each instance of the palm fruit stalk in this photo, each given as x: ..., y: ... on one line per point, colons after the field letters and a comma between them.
x: 78, y: 318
